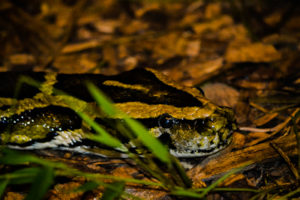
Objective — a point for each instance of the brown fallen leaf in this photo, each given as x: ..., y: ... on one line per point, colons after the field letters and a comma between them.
x: 256, y: 52
x: 250, y: 155
x: 213, y: 25
x: 265, y: 119
x: 221, y: 94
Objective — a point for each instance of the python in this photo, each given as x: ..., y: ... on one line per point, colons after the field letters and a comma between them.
x: 181, y: 117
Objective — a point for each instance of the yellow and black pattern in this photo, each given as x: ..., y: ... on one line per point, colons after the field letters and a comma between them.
x: 181, y: 117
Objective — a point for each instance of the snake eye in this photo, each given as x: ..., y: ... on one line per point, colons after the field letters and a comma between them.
x: 166, y: 121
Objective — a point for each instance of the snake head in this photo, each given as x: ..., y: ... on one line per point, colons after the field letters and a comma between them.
x: 197, y: 137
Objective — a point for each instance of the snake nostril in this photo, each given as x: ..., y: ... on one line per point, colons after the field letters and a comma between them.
x: 166, y: 139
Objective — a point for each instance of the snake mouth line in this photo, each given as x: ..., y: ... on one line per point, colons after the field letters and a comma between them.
x: 196, y: 153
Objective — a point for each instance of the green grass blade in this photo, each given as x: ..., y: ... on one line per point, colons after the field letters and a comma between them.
x: 12, y: 157
x: 186, y: 193
x: 21, y: 176
x: 41, y: 183
x: 102, y: 137
x: 27, y: 80
x: 287, y: 196
x: 154, y: 145
x: 3, y: 185
x: 220, y: 180
x: 180, y: 171
x: 88, y: 186
x: 115, y: 193
x: 103, y: 101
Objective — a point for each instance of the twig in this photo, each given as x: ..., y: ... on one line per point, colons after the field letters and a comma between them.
x: 258, y: 130
x: 287, y: 160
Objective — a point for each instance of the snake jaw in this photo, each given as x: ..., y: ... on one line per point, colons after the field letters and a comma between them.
x: 200, y: 146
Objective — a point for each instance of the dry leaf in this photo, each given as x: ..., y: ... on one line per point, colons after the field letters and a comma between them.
x: 257, y: 52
